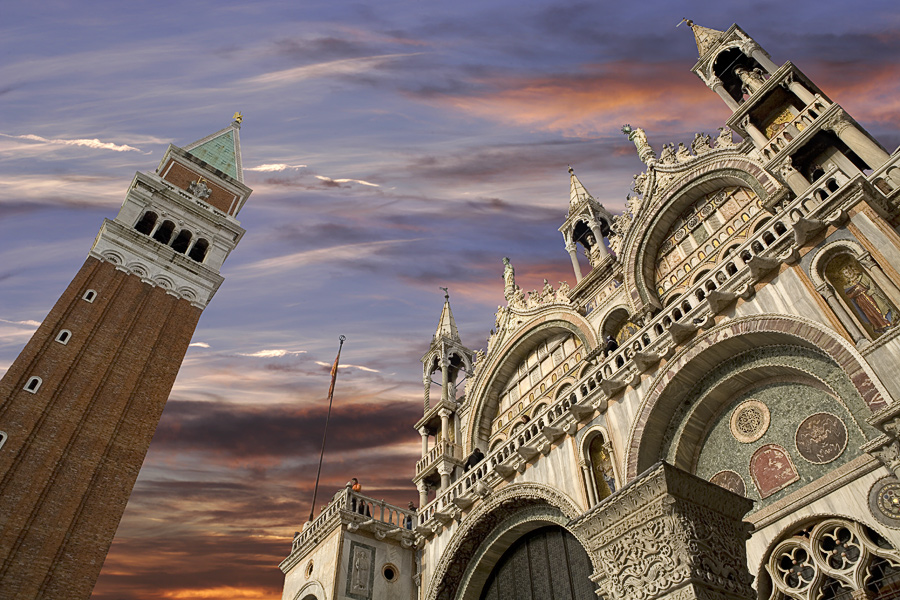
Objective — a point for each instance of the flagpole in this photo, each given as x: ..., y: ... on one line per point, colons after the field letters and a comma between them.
x: 325, y: 432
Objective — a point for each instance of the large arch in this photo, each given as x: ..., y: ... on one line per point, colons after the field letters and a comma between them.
x: 717, y: 345
x: 647, y: 234
x: 486, y: 394
x: 490, y: 529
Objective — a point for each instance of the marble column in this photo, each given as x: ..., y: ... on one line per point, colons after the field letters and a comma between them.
x: 589, y: 483
x: 445, y: 424
x: 870, y: 152
x: 718, y: 87
x: 445, y: 379
x: 573, y: 254
x: 883, y: 281
x: 423, y: 494
x: 806, y: 97
x: 837, y: 307
x: 424, y: 433
x: 793, y: 178
x: 758, y: 136
x: 426, y: 380
x: 755, y: 51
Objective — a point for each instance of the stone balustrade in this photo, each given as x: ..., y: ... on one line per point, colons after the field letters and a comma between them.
x: 343, y: 508
x: 792, y: 129
x: 443, y: 449
x: 776, y: 242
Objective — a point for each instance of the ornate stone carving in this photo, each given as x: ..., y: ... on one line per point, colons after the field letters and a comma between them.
x: 752, y: 80
x: 837, y: 122
x: 884, y: 501
x: 750, y: 421
x: 200, y: 189
x: 701, y: 144
x: 360, y: 571
x: 669, y: 535
x: 724, y: 139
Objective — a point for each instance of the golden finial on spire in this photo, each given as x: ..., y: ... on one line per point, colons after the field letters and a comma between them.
x: 238, y: 118
x: 687, y: 22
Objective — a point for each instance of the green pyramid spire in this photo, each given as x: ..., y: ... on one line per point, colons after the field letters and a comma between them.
x: 221, y: 150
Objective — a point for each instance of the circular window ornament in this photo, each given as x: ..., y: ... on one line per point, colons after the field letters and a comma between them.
x: 390, y: 572
x: 821, y: 438
x: 884, y: 502
x: 750, y: 421
x: 309, y: 569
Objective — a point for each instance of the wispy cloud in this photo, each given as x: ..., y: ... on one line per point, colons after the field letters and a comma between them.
x: 346, y: 366
x: 360, y: 181
x: 199, y: 345
x: 347, y: 66
x: 28, y: 322
x: 94, y: 143
x: 275, y: 167
x: 275, y: 353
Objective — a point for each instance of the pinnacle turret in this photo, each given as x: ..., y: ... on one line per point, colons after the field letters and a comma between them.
x: 577, y: 192
x: 447, y: 324
x: 222, y: 149
x: 705, y: 37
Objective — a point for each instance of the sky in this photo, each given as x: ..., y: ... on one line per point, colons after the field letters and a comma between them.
x: 393, y: 147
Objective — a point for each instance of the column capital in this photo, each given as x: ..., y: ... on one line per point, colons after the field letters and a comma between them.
x: 445, y: 413
x: 838, y: 122
x: 748, y: 47
x: 423, y: 431
x: 570, y: 247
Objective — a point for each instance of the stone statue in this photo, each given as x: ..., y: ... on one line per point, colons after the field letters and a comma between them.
x: 562, y: 294
x: 640, y: 183
x: 724, y: 140
x: 752, y: 80
x: 683, y: 154
x: 701, y: 144
x: 667, y: 156
x: 509, y: 279
x: 547, y: 294
x: 645, y: 151
x: 199, y: 189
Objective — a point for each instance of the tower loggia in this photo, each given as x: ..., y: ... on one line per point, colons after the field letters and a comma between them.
x: 80, y: 404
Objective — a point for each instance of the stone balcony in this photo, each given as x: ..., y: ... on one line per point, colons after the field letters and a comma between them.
x: 355, y: 512
x: 794, y: 223
x: 443, y: 450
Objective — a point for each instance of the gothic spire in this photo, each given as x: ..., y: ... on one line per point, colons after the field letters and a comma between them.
x: 705, y: 37
x: 447, y: 324
x: 221, y: 149
x: 577, y: 193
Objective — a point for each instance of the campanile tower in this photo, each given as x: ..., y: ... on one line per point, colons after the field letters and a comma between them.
x: 80, y: 404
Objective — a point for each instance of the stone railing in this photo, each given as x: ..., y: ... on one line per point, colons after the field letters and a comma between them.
x: 887, y: 177
x: 442, y: 449
x: 792, y: 129
x: 348, y: 501
x: 777, y: 241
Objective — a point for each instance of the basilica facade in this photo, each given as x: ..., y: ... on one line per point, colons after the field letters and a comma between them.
x: 711, y: 411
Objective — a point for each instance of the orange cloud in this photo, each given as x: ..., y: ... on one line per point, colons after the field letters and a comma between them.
x: 594, y: 102
x: 223, y: 593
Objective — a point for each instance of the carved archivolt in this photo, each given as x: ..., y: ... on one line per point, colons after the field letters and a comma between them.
x: 482, y: 521
x: 654, y: 414
x: 834, y: 555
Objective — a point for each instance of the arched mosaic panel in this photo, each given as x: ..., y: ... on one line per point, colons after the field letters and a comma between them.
x: 696, y: 236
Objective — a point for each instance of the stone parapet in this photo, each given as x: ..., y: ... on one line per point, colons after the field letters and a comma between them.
x: 669, y: 534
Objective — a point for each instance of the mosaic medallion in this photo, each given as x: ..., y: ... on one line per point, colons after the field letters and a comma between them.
x: 749, y: 421
x: 884, y: 501
x: 821, y: 438
x: 731, y: 481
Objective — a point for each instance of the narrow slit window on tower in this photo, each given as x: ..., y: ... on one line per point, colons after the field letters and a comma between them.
x: 63, y: 336
x: 33, y: 385
x: 198, y: 252
x: 145, y: 225
x: 89, y: 295
x: 182, y: 240
x: 164, y: 232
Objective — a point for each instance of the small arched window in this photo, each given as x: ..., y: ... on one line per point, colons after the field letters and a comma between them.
x: 63, y: 336
x: 198, y: 252
x: 33, y: 384
x: 145, y: 225
x: 89, y: 295
x: 601, y: 467
x: 164, y: 232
